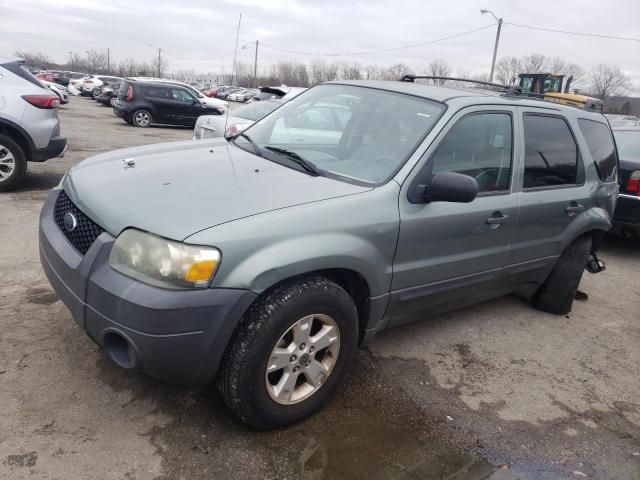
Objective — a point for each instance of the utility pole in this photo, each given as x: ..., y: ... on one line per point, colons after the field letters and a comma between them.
x: 108, y: 61
x: 255, y: 67
x: 495, y: 48
x: 159, y: 57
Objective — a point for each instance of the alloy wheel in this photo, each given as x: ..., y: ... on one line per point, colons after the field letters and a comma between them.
x: 142, y: 119
x: 7, y: 163
x: 302, y: 359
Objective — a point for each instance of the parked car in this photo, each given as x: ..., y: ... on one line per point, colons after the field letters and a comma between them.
x: 215, y: 126
x: 244, y: 95
x: 142, y: 103
x: 224, y: 92
x: 622, y: 120
x: 626, y: 219
x: 211, y: 92
x: 58, y: 89
x: 108, y: 95
x: 46, y: 76
x: 210, y: 102
x: 264, y: 262
x: 66, y: 77
x: 269, y: 93
x: 92, y: 81
x: 29, y: 125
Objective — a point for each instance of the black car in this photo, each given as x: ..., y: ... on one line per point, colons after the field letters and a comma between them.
x: 142, y: 103
x: 108, y: 95
x: 626, y: 218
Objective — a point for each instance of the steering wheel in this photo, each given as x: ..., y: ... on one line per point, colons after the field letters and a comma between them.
x: 494, y: 173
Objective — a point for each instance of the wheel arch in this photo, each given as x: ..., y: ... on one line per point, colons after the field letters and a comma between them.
x: 19, y: 135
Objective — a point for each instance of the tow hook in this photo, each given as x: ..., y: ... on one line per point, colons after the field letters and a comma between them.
x: 594, y: 264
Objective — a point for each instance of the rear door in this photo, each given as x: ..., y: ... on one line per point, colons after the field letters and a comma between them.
x: 450, y: 252
x: 187, y: 107
x: 159, y: 98
x: 552, y: 192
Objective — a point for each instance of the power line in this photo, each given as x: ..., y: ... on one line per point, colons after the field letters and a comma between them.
x: 612, y: 37
x: 367, y: 52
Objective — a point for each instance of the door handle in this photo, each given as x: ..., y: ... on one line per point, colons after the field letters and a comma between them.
x: 497, y: 218
x: 573, y: 207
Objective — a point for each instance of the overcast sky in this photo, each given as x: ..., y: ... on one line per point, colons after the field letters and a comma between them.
x: 195, y: 34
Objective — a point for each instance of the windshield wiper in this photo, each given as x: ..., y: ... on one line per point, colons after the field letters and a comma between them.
x: 253, y: 144
x: 306, y: 164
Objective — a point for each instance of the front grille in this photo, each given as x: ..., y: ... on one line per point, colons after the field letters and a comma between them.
x: 86, y: 231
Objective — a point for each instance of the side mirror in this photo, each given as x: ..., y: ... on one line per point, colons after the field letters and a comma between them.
x: 451, y: 187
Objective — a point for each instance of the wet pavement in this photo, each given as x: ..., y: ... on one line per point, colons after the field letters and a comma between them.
x: 497, y: 391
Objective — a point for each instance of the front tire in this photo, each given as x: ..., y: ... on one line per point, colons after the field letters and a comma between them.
x: 289, y: 353
x: 141, y: 118
x: 559, y: 289
x: 13, y: 164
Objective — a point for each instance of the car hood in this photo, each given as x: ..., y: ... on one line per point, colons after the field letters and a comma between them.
x: 177, y: 189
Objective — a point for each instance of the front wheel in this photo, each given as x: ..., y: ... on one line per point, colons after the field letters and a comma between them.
x: 289, y: 353
x: 141, y: 118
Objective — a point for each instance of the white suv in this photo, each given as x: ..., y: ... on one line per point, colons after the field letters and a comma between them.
x: 29, y: 125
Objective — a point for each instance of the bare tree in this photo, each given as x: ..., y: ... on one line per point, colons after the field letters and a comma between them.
x: 507, y: 69
x: 395, y: 72
x: 35, y: 60
x: 350, y: 71
x: 373, y: 72
x: 568, y: 69
x: 607, y: 81
x: 439, y: 68
x: 533, y: 63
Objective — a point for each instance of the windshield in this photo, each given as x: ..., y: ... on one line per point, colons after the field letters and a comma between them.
x: 350, y: 132
x: 255, y: 111
x: 628, y: 143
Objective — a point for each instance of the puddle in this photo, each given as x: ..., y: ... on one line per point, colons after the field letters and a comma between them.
x: 369, y: 431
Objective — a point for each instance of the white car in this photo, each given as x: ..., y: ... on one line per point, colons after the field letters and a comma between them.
x: 210, y: 102
x: 215, y: 126
x: 59, y: 90
x: 93, y: 81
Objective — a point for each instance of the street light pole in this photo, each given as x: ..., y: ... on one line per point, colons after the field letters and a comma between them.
x: 108, y: 61
x: 159, y: 58
x: 255, y: 61
x: 495, y: 48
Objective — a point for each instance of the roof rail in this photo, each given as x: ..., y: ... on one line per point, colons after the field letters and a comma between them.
x: 412, y: 78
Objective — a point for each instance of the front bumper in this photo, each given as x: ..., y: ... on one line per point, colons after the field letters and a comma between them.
x: 173, y: 335
x: 626, y: 218
x: 56, y: 147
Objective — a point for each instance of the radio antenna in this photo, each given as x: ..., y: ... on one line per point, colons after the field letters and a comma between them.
x: 233, y: 70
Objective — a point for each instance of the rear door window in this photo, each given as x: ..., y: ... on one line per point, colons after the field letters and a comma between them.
x: 151, y: 91
x: 551, y: 153
x: 603, y: 151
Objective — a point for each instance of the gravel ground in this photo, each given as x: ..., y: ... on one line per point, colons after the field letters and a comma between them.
x: 496, y: 391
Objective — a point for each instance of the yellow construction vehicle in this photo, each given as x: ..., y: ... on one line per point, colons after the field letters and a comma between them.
x: 550, y: 87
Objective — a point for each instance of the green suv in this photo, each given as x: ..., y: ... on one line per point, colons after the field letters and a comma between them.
x: 263, y: 261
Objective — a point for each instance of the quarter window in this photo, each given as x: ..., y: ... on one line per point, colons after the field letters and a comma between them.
x: 603, y: 152
x: 551, y: 154
x: 479, y: 146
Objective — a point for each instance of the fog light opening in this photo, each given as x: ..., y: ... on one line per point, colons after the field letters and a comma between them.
x: 120, y: 350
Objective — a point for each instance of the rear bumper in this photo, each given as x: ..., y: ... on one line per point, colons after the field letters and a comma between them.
x: 626, y: 218
x: 173, y: 335
x: 56, y: 147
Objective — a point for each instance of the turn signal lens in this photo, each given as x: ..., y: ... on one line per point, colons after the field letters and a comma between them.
x: 200, y: 271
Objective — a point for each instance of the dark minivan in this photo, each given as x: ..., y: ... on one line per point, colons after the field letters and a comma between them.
x: 142, y: 103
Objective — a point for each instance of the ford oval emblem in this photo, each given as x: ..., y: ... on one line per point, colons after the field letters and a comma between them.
x: 70, y: 222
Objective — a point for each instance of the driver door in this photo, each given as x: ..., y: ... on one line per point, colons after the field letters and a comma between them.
x: 451, y: 252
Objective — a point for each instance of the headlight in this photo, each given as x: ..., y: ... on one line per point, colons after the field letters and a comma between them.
x: 163, y: 263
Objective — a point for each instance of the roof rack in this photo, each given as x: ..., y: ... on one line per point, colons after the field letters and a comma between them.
x: 509, y: 90
x: 412, y: 78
